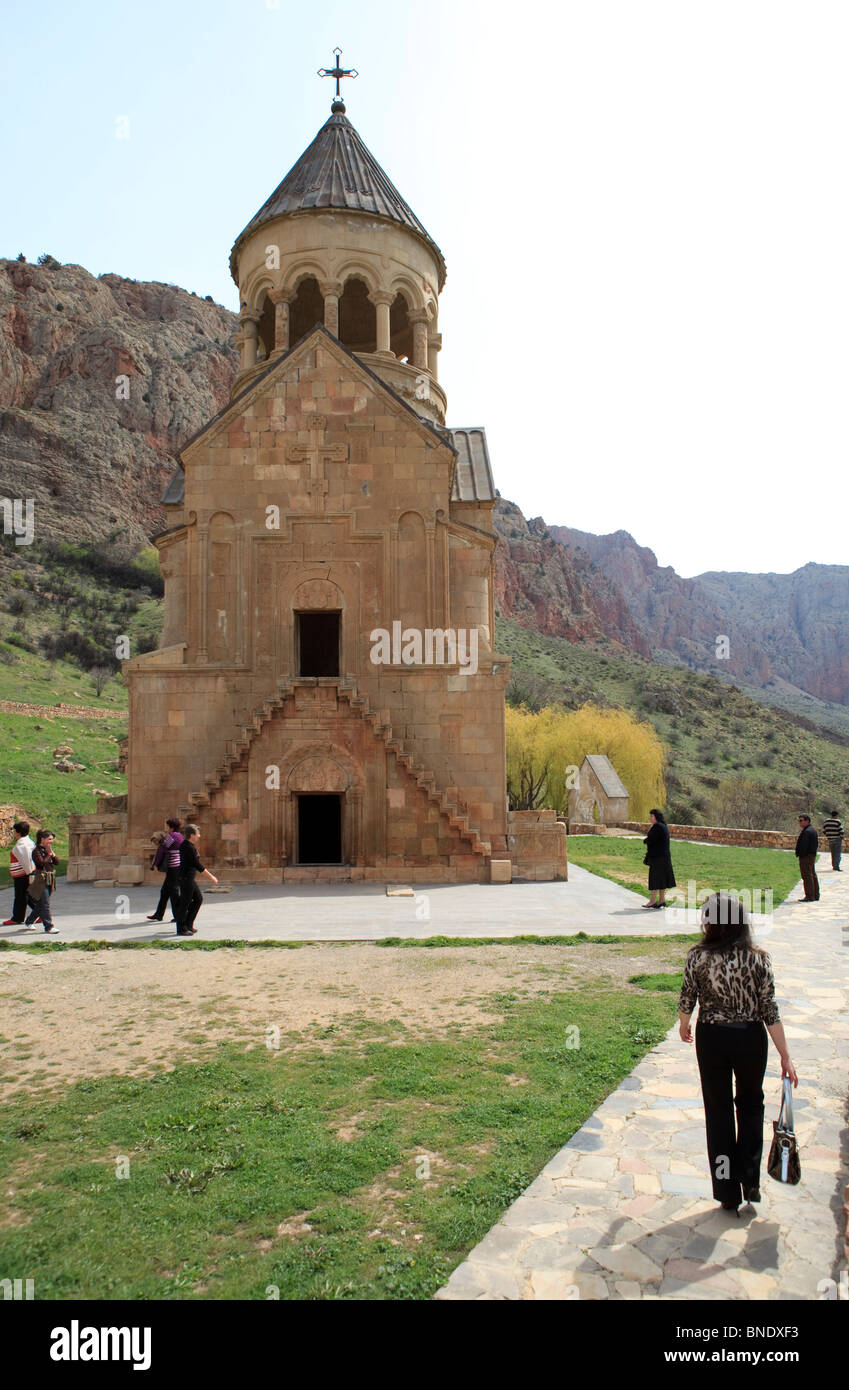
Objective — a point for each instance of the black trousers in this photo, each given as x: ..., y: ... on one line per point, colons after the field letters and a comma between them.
x: 190, y: 904
x: 170, y: 889
x: 19, y: 908
x: 735, y: 1153
x: 807, y: 868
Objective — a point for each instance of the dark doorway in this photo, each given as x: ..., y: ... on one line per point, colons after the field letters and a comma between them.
x: 307, y: 310
x: 319, y: 829
x: 318, y: 644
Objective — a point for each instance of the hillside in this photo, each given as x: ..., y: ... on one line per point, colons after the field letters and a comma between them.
x: 787, y: 632
x: 715, y: 734
x: 71, y: 346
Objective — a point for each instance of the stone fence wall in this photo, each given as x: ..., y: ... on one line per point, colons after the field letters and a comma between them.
x: 706, y: 834
x: 61, y: 711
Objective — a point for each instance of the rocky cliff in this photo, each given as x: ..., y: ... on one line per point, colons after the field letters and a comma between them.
x: 102, y: 380
x: 780, y: 627
x: 557, y: 589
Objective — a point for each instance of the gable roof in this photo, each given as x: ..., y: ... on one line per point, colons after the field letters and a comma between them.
x: 611, y: 783
x: 338, y: 171
x: 174, y: 492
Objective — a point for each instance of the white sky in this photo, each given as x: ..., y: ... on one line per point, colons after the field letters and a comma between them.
x: 643, y: 206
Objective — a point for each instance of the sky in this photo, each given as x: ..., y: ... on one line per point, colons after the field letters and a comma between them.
x: 643, y: 205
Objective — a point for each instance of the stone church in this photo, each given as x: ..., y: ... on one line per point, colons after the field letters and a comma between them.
x: 326, y: 700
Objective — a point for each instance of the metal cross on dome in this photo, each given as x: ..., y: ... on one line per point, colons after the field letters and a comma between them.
x: 338, y: 72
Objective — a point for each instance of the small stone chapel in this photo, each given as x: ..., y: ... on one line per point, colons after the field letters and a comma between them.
x: 327, y: 504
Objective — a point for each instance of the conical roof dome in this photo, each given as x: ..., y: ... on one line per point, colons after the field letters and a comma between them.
x: 338, y: 171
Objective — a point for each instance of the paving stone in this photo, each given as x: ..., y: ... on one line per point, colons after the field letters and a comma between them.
x: 683, y: 1184
x: 627, y: 1288
x: 553, y: 1253
x: 465, y: 1282
x: 689, y: 1271
x: 756, y: 1285
x: 595, y: 1167
x: 571, y: 1284
x: 585, y: 1197
x: 502, y: 1244
x: 647, y: 1183
x: 630, y: 1164
x: 587, y: 1142
x: 621, y: 1231
x: 627, y: 1261
x: 646, y: 1202
x: 528, y: 1212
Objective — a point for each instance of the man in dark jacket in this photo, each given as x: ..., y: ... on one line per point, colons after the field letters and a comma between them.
x: 807, y: 847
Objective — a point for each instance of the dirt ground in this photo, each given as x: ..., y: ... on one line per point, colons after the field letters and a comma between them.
x: 74, y: 1014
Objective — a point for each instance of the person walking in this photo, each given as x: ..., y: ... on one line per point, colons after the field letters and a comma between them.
x: 733, y: 982
x: 659, y: 860
x: 191, y: 898
x: 43, y: 884
x: 833, y: 832
x: 807, y: 848
x: 167, y: 858
x: 20, y: 867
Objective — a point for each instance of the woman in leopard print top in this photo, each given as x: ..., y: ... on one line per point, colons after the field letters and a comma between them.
x: 733, y: 982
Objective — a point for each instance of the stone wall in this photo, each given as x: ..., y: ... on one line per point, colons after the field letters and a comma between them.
x: 8, y: 816
x: 60, y: 711
x: 96, y: 842
x: 537, y: 845
x: 720, y: 835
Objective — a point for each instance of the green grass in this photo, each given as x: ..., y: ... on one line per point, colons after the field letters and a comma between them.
x: 28, y: 779
x: 31, y: 680
x: 426, y: 943
x: 713, y: 867
x: 223, y: 1151
x: 670, y: 984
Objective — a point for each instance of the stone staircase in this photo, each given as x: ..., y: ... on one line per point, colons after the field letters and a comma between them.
x: 449, y: 806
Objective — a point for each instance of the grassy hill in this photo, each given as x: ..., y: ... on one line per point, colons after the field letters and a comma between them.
x: 28, y: 780
x: 714, y: 732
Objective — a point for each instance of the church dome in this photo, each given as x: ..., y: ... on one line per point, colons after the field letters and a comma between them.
x: 337, y: 171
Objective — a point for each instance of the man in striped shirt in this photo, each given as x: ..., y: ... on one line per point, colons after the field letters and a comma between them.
x: 833, y: 832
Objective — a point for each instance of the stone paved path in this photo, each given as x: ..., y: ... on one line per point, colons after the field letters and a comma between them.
x: 362, y: 911
x: 625, y: 1210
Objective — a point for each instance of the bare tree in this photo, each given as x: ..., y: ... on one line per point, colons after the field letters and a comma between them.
x: 100, y: 678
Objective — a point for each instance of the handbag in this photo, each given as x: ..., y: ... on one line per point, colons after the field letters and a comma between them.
x: 37, y: 885
x: 783, y: 1163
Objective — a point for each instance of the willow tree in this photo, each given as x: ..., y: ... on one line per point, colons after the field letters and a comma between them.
x: 545, y: 750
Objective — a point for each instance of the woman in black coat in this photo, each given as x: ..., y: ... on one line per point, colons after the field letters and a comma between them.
x: 658, y: 859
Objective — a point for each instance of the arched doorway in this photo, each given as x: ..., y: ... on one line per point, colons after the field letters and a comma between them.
x: 322, y: 800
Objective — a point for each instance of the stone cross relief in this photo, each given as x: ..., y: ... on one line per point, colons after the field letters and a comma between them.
x: 317, y: 454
